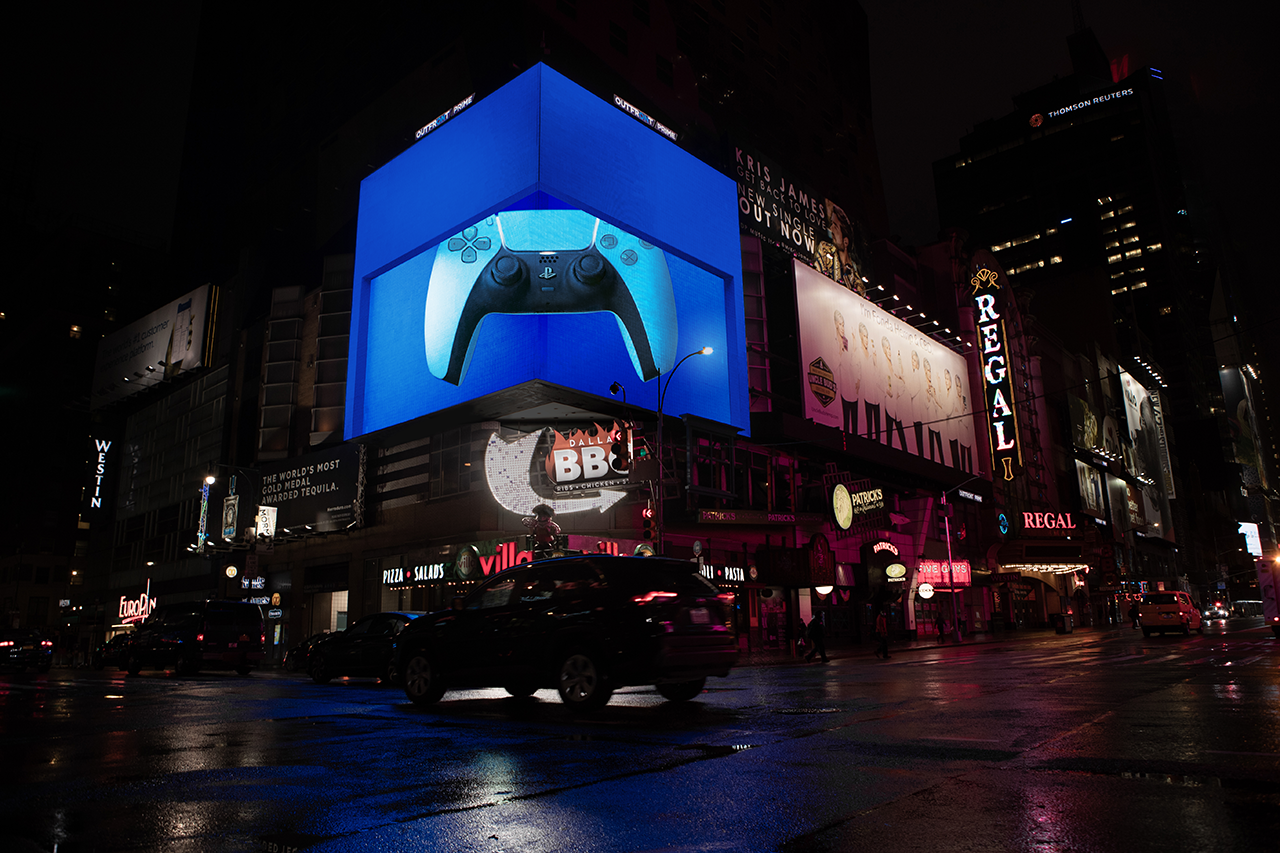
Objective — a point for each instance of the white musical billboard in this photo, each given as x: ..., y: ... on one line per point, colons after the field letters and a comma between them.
x: 870, y: 373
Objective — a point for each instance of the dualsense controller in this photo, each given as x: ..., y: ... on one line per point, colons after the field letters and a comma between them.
x: 548, y: 262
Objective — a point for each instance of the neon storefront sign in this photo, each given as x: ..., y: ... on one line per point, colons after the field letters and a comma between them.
x: 137, y: 609
x: 935, y: 572
x: 1002, y: 419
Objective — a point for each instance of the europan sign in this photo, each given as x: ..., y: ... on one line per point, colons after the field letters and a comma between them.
x: 543, y: 235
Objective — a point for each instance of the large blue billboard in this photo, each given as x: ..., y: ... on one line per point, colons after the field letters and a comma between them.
x: 545, y: 235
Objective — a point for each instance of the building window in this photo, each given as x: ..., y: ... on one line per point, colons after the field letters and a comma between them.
x: 618, y: 38
x: 665, y: 70
x: 1119, y: 290
x: 1113, y: 244
x: 1133, y: 253
x: 75, y: 331
x: 1154, y: 247
x: 1132, y: 238
x: 1168, y: 309
x: 1056, y: 259
x: 640, y: 10
x: 739, y: 49
x: 568, y: 8
x: 1138, y: 286
x: 1111, y: 259
x: 1108, y: 214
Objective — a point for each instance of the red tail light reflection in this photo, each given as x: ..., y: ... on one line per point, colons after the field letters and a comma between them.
x: 200, y: 637
x: 656, y: 595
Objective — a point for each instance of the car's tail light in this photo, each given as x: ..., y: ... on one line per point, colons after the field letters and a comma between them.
x: 200, y: 637
x: 46, y: 643
x: 726, y: 598
x: 655, y: 595
x: 262, y: 638
x: 4, y: 643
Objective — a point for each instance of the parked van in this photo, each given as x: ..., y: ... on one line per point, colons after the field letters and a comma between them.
x: 198, y: 635
x: 1169, y: 611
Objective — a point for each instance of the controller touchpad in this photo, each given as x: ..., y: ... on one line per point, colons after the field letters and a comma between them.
x: 547, y: 230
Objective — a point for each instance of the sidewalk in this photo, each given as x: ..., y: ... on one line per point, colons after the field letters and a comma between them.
x: 778, y: 657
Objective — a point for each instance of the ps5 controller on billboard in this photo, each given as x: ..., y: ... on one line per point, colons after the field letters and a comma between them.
x: 544, y: 236
x: 869, y: 373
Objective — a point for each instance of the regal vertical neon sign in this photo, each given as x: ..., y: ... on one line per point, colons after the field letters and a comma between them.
x: 1002, y: 417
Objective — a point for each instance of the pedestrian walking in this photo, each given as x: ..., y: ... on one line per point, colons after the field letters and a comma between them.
x: 882, y: 635
x: 940, y: 623
x: 1134, y: 614
x: 817, y: 639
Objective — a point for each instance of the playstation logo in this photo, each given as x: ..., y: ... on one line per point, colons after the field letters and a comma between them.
x: 547, y: 273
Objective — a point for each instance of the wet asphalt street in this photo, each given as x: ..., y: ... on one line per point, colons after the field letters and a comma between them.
x: 1093, y: 741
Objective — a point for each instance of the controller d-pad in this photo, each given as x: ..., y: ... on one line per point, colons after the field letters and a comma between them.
x: 467, y: 243
x: 629, y: 257
x: 608, y: 241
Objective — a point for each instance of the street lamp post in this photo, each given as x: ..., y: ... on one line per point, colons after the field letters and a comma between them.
x: 662, y: 396
x: 951, y: 578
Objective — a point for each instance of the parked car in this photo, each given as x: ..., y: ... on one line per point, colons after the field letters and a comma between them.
x: 109, y: 653
x: 198, y: 635
x: 1169, y: 611
x: 25, y: 648
x: 364, y: 649
x: 296, y: 659
x: 583, y: 626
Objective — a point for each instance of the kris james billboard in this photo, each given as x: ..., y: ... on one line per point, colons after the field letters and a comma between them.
x: 544, y: 235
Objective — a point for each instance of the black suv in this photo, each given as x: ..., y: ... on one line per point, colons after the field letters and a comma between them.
x: 198, y: 635
x: 25, y: 648
x: 363, y: 649
x: 582, y: 625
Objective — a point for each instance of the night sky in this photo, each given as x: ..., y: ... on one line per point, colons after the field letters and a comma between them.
x: 938, y: 69
x: 102, y: 94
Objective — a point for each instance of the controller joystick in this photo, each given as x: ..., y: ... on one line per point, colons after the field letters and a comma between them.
x: 583, y: 266
x: 589, y: 269
x: 508, y: 271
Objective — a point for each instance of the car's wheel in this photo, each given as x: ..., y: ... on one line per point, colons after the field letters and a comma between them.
x: 422, y: 682
x: 320, y: 670
x: 390, y: 675
x: 98, y: 664
x: 1146, y: 632
x: 682, y: 691
x: 1200, y: 630
x: 131, y: 665
x: 1186, y: 629
x: 243, y: 670
x: 521, y: 689
x: 186, y: 666
x: 582, y: 682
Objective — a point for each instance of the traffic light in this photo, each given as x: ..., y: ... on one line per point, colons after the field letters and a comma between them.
x: 644, y: 465
x: 648, y: 515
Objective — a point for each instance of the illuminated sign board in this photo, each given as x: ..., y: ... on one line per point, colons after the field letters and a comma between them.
x: 577, y: 474
x: 589, y: 459
x: 543, y: 236
x: 935, y: 572
x: 1252, y: 541
x: 101, y: 469
x: 445, y: 116
x: 408, y: 575
x: 644, y: 118
x: 1089, y: 102
x: 162, y: 345
x: 1002, y: 418
x: 322, y: 489
x: 870, y: 373
x: 723, y: 574
x: 774, y: 208
x: 137, y: 609
x: 1048, y: 521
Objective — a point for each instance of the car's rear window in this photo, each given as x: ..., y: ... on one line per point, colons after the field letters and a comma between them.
x: 245, y: 618
x: 1159, y: 598
x: 641, y: 575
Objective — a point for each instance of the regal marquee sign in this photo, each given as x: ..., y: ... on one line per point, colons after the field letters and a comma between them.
x: 1002, y: 417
